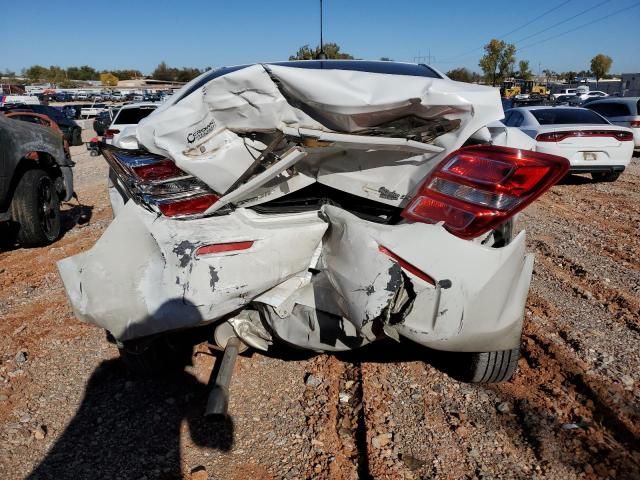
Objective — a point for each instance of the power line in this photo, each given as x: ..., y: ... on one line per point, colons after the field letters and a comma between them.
x: 509, y: 33
x: 562, y: 21
x: 535, y: 19
x: 581, y: 26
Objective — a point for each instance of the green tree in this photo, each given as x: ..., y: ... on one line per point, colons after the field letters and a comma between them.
x: 600, y: 65
x: 569, y: 76
x: 507, y: 61
x: 9, y: 73
x: 331, y: 51
x: 524, y: 71
x: 460, y: 75
x: 498, y: 60
x: 56, y: 75
x: 163, y: 72
x: 186, y: 74
x: 36, y: 73
x: 85, y: 72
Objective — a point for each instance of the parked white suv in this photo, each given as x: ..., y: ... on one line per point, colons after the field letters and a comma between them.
x: 122, y: 132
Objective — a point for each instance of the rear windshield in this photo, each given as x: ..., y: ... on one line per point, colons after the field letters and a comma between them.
x: 611, y: 109
x: 555, y: 116
x: 131, y: 116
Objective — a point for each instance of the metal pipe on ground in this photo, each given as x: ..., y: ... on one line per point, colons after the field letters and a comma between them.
x: 218, y: 401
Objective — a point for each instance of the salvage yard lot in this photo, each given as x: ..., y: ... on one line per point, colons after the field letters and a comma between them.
x: 68, y: 410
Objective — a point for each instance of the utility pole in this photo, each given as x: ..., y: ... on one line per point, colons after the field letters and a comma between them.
x: 424, y: 58
x: 321, y: 55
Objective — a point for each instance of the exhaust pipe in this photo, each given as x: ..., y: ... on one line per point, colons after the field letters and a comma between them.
x: 218, y: 401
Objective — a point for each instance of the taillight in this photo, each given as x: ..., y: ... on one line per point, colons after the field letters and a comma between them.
x: 477, y: 188
x: 162, y: 170
x: 406, y: 265
x: 223, y: 247
x: 559, y: 136
x: 186, y: 206
x: 110, y: 133
x: 158, y: 184
x: 634, y: 123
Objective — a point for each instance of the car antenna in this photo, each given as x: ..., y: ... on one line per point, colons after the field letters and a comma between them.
x: 321, y: 55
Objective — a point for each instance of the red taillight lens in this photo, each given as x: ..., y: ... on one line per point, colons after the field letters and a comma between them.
x: 550, y: 137
x: 162, y: 170
x: 407, y: 266
x: 559, y: 136
x: 187, y: 206
x: 110, y: 133
x: 634, y: 123
x: 624, y: 136
x: 477, y: 188
x: 223, y: 247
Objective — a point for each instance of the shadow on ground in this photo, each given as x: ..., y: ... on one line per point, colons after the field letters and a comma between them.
x: 70, y: 217
x: 129, y: 428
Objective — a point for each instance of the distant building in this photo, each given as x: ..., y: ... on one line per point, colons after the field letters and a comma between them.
x: 630, y: 85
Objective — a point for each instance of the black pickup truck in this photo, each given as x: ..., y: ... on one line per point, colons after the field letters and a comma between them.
x: 35, y: 176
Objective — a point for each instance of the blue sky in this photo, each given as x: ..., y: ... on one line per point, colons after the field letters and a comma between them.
x: 120, y: 34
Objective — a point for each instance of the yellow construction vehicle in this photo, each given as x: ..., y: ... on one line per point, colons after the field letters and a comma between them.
x: 511, y: 88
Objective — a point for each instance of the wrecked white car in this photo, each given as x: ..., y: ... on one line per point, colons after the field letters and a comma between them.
x: 324, y: 204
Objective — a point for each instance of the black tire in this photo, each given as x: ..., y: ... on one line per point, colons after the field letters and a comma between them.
x: 35, y: 207
x: 492, y: 367
x: 147, y: 357
x: 605, y: 176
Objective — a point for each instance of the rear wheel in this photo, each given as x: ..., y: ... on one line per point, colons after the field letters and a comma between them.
x: 605, y: 176
x: 492, y: 367
x: 35, y: 207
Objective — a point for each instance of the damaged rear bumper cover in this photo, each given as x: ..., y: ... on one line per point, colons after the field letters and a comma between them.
x: 319, y: 279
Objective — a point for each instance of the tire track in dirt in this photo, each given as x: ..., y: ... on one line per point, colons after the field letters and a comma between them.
x: 623, y: 305
x: 599, y: 422
x: 332, y: 427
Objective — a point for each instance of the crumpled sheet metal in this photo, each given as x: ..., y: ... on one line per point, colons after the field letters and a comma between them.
x: 487, y: 293
x: 201, y: 131
x: 143, y: 277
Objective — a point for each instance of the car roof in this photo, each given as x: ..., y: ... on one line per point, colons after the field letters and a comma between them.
x: 371, y: 66
x: 544, y: 107
x: 616, y: 100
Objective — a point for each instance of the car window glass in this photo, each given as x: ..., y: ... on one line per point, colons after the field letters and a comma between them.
x: 611, y: 109
x: 132, y: 115
x: 516, y: 119
x: 555, y: 116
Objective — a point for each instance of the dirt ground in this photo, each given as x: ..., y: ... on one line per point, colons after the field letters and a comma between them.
x: 68, y: 410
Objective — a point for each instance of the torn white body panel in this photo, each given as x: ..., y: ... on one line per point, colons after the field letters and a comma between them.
x: 205, y: 132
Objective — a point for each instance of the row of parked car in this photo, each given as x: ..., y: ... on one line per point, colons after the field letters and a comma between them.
x: 104, y: 96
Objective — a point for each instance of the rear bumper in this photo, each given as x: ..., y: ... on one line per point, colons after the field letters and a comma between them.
x: 596, y: 168
x: 143, y: 277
